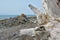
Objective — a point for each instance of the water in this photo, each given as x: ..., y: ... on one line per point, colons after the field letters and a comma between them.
x: 10, y: 16
x: 7, y: 16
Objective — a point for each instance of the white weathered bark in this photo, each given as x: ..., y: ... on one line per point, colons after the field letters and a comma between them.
x: 42, y: 18
x: 35, y: 33
x: 37, y: 12
x: 52, y: 7
x: 54, y: 29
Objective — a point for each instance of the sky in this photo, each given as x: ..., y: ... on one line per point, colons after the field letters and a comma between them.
x: 16, y: 7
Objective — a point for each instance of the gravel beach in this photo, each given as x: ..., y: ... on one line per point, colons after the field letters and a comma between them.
x: 9, y: 28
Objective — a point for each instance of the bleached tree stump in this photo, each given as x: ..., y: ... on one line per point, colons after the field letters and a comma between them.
x: 52, y: 7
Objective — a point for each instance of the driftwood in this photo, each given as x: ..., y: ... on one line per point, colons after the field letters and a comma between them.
x: 51, y: 18
x: 37, y: 33
x: 52, y: 7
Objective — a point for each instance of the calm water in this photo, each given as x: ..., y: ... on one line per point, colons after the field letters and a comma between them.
x: 8, y: 16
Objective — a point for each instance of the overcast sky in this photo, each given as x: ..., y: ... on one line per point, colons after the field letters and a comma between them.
x: 16, y: 7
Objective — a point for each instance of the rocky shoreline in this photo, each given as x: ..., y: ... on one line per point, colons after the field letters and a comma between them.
x: 10, y: 27
x: 19, y: 20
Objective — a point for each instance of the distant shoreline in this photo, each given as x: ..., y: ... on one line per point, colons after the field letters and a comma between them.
x: 2, y: 17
